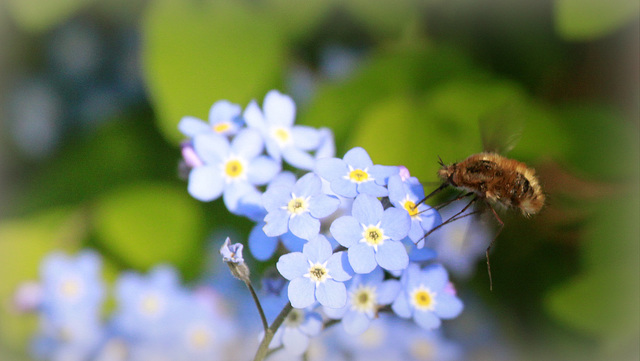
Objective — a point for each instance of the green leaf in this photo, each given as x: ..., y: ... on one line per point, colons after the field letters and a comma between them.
x: 197, y: 53
x: 42, y: 15
x: 150, y: 223
x: 24, y: 243
x: 584, y: 20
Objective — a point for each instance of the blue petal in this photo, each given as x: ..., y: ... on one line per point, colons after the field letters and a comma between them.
x: 253, y: 116
x: 318, y: 250
x: 416, y: 233
x: 358, y: 158
x: 262, y: 246
x: 284, y: 179
x: 388, y: 291
x: 192, y: 126
x: 355, y: 323
x: 301, y: 292
x: 381, y: 173
x: 223, y: 110
x: 434, y: 277
x: 396, y: 190
x: 332, y: 294
x: 426, y: 319
x: 322, y: 205
x: 344, y: 187
x: 346, y: 230
x: 234, y: 192
x: 327, y: 146
x: 448, y: 306
x: 205, y: 183
x: 362, y: 258
x: 250, y: 206
x: 279, y: 109
x: 374, y: 277
x: 307, y: 185
x: 304, y: 226
x: 331, y: 168
x: 293, y: 265
x: 373, y: 189
x: 396, y: 223
x: 295, y: 342
x: 421, y: 254
x: 298, y: 158
x: 367, y: 210
x: 262, y: 170
x: 392, y: 256
x: 211, y: 147
x: 273, y: 149
x: 401, y: 305
x: 339, y: 267
x: 305, y: 138
x: 277, y: 223
x: 292, y: 243
x: 431, y: 218
x: 276, y: 197
x: 247, y: 143
x: 336, y: 313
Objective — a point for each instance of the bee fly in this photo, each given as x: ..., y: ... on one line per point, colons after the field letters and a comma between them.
x: 492, y: 179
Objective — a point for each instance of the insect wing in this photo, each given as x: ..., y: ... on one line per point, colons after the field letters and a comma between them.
x: 501, y: 128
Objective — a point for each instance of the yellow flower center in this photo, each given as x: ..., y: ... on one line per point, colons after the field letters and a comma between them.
x: 297, y: 205
x: 410, y: 206
x: 358, y: 176
x: 151, y: 305
x: 423, y: 299
x: 200, y: 338
x: 281, y: 135
x: 318, y: 273
x: 70, y: 288
x: 374, y: 236
x: 234, y: 168
x: 364, y: 299
x: 222, y: 127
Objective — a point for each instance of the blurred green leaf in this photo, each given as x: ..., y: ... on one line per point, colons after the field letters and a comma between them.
x: 24, y: 243
x: 197, y: 53
x: 296, y: 18
x: 408, y: 70
x: 146, y: 224
x: 585, y: 20
x: 386, y: 17
x: 603, y: 145
x: 42, y: 15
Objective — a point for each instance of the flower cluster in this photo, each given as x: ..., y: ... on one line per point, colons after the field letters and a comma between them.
x: 347, y: 234
x: 351, y: 231
x: 155, y: 317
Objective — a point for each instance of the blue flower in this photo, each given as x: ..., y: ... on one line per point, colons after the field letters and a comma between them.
x: 355, y: 174
x: 427, y: 296
x: 282, y: 138
x: 224, y: 119
x: 296, y: 330
x: 71, y: 284
x: 404, y: 194
x: 315, y: 274
x: 232, y: 169
x: 373, y: 235
x: 297, y: 208
x: 263, y: 247
x: 366, y: 295
x: 148, y: 306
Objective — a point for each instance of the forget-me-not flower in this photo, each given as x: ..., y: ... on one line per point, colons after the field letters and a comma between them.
x: 224, y: 119
x: 282, y: 138
x: 316, y: 273
x: 366, y: 295
x: 297, y: 208
x: 427, y: 296
x: 263, y: 247
x: 372, y: 235
x: 405, y: 194
x: 229, y: 169
x: 355, y: 174
x: 296, y: 331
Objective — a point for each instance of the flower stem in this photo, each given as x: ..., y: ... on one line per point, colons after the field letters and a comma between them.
x: 265, y: 325
x: 268, y: 334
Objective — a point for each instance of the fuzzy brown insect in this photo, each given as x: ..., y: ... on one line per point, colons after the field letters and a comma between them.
x: 492, y: 178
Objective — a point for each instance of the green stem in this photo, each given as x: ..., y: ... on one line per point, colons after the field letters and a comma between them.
x: 268, y: 334
x: 265, y: 325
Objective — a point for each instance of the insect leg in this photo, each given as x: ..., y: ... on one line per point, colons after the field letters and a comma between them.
x: 454, y: 217
x: 491, y: 244
x: 435, y: 191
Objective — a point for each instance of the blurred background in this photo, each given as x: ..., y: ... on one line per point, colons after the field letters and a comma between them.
x: 91, y: 93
